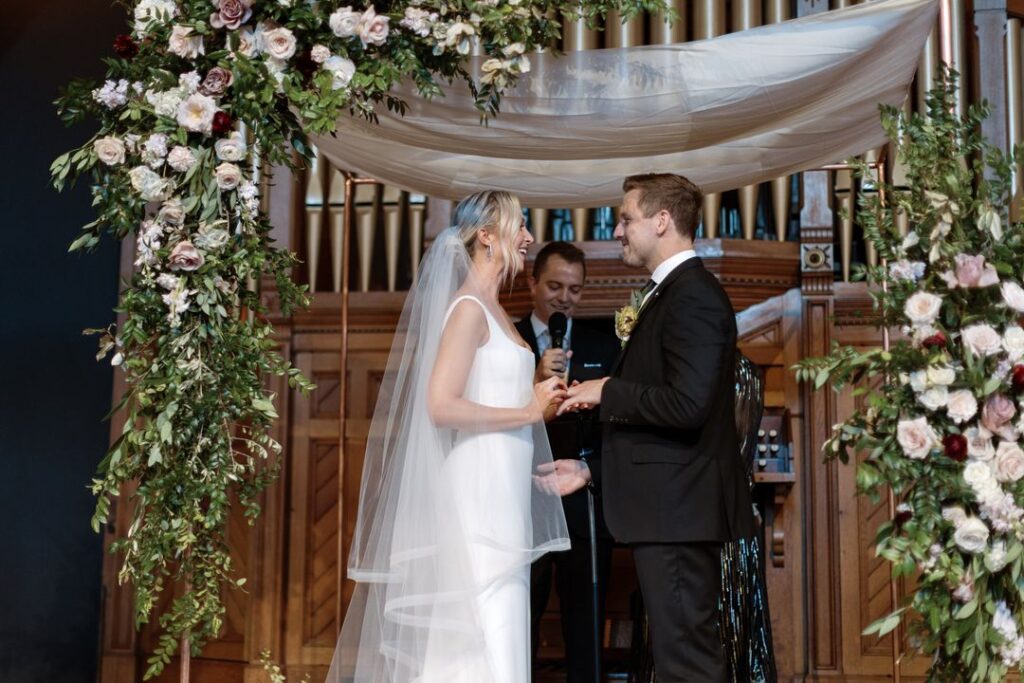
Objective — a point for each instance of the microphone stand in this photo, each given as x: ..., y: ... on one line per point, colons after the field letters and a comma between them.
x: 585, y: 453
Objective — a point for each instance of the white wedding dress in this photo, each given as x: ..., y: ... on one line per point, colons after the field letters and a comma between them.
x: 449, y: 520
x: 492, y: 472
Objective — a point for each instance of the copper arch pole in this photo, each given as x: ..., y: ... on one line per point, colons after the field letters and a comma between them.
x: 351, y: 181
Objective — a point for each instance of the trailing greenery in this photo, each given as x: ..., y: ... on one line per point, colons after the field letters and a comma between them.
x: 940, y: 411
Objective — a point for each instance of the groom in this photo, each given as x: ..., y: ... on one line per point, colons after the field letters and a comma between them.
x: 670, y: 473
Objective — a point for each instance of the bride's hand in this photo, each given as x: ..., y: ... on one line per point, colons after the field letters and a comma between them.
x: 547, y: 395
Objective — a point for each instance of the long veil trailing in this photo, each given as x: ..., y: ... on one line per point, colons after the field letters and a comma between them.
x: 418, y: 565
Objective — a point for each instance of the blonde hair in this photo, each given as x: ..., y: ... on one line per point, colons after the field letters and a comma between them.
x: 496, y: 211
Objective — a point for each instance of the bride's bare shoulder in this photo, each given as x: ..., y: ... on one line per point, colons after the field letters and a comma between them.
x: 467, y: 319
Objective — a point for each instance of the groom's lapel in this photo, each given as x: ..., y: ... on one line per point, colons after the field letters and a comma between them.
x: 653, y: 301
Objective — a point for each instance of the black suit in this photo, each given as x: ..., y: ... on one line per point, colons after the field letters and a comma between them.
x: 594, y: 353
x: 671, y: 476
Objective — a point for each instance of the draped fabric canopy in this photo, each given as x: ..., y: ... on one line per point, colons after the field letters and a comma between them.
x: 731, y: 111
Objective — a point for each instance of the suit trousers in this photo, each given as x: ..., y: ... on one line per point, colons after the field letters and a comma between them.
x: 573, y: 583
x: 680, y: 585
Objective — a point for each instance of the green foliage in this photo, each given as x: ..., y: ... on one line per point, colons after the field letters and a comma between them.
x: 956, y: 201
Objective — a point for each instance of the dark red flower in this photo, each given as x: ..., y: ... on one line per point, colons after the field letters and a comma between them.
x: 125, y: 47
x: 1018, y: 378
x: 222, y: 123
x: 935, y: 341
x: 956, y: 446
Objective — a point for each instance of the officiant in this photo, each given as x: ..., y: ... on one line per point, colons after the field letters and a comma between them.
x: 563, y: 347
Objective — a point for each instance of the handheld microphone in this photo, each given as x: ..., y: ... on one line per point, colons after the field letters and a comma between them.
x: 558, y: 324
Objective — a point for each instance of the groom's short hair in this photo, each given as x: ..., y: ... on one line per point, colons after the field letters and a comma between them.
x: 669, y: 192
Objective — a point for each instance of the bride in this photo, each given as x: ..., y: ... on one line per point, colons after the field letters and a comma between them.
x: 452, y: 509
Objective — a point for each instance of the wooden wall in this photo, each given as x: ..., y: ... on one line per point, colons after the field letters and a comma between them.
x: 825, y: 584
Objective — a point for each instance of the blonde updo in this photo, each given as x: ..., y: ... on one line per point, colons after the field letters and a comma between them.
x: 498, y: 212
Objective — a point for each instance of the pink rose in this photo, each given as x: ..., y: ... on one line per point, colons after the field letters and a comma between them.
x: 217, y: 81
x: 185, y: 257
x: 972, y: 271
x: 373, y: 28
x: 231, y: 13
x: 997, y: 413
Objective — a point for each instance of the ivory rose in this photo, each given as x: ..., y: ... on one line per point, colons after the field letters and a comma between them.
x: 184, y: 43
x: 109, y: 150
x: 228, y: 176
x: 961, y: 406
x: 971, y: 535
x: 916, y: 437
x: 1009, y: 462
x: 923, y: 308
x: 982, y: 339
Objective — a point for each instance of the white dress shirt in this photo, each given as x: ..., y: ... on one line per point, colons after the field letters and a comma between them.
x: 666, y: 267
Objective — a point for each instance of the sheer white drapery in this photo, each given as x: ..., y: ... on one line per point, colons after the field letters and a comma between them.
x: 726, y: 112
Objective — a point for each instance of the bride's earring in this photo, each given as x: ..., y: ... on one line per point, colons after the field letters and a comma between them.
x: 488, y: 252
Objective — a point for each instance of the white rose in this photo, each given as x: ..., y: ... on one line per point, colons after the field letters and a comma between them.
x: 342, y: 69
x: 228, y: 176
x: 184, y: 43
x: 279, y: 43
x: 923, y: 308
x: 961, y: 405
x: 934, y: 398
x: 373, y: 28
x: 109, y: 150
x: 172, y: 212
x: 982, y: 340
x: 995, y: 557
x: 153, y: 10
x: 150, y: 186
x: 941, y: 375
x: 245, y: 42
x: 979, y: 443
x: 344, y: 22
x: 211, y: 238
x: 196, y: 113
x: 1009, y: 462
x: 1013, y: 342
x: 319, y: 54
x: 916, y: 437
x: 971, y: 535
x: 1013, y: 295
x: 919, y: 380
x: 181, y: 159
x: 954, y: 514
x: 977, y: 474
x: 231, y: 148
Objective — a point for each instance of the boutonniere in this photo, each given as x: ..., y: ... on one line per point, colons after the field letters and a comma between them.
x: 625, y: 317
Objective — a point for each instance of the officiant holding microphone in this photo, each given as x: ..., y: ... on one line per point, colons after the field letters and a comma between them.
x: 578, y: 353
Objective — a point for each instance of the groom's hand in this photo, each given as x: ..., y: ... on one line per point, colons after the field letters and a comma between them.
x: 583, y: 396
x: 562, y: 477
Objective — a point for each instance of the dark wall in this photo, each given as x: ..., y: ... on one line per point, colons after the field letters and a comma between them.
x: 53, y: 394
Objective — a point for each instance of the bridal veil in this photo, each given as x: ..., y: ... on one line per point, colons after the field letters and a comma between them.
x: 414, y: 608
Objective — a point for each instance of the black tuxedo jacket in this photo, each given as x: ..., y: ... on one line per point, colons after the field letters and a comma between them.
x: 670, y: 467
x: 593, y: 354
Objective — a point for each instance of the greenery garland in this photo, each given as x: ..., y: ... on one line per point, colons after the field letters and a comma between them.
x: 169, y: 166
x: 940, y: 420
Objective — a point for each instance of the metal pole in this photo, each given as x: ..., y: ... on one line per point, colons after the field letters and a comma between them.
x: 591, y: 519
x: 894, y: 589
